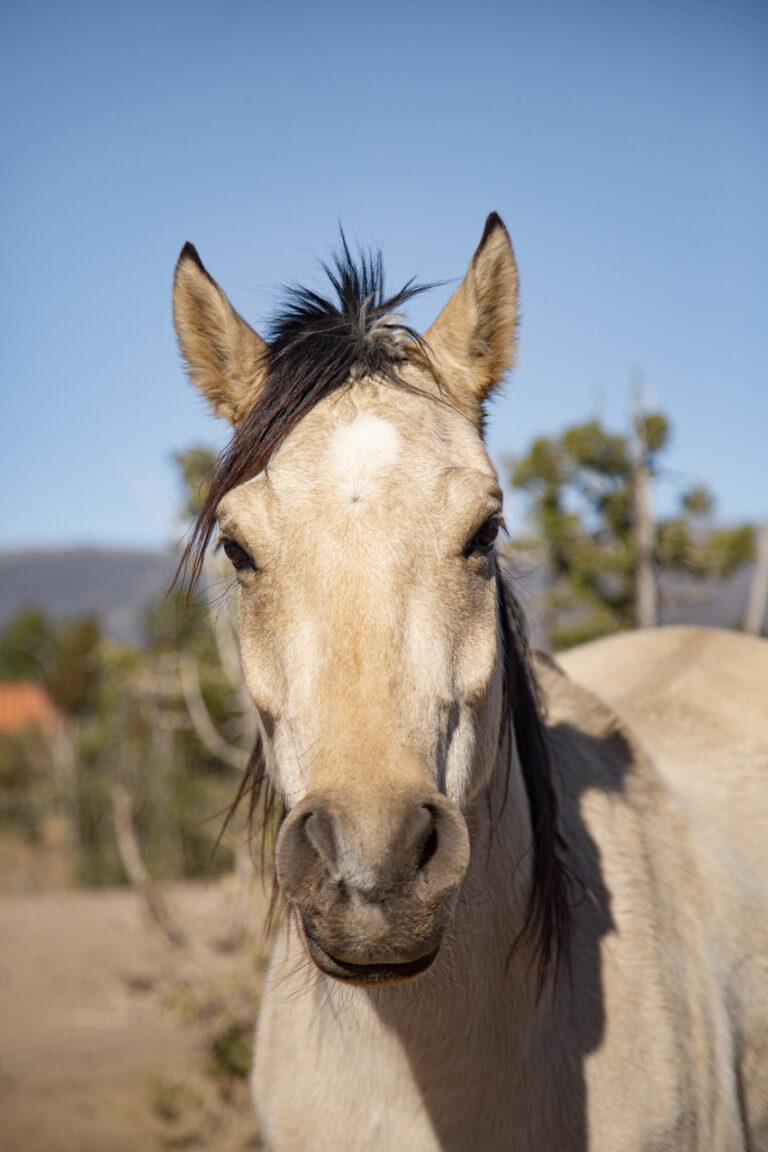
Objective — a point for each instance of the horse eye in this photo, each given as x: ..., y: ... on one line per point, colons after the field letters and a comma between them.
x: 239, y: 557
x: 485, y: 537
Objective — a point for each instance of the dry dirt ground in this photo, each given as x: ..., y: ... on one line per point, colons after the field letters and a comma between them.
x: 113, y: 1041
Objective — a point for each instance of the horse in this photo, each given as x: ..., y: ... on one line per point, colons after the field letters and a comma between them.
x: 526, y: 898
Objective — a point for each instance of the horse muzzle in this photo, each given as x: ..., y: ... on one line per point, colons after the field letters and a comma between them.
x: 374, y: 894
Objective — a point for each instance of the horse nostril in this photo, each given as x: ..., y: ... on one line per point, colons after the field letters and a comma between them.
x: 429, y: 842
x: 306, y: 855
x: 427, y: 850
x: 318, y: 829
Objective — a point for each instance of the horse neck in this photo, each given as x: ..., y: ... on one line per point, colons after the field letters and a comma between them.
x: 496, y: 890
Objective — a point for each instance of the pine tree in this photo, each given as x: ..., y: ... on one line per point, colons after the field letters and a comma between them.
x: 582, y: 489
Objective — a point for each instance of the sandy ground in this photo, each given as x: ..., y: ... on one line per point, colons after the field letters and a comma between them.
x: 111, y: 1040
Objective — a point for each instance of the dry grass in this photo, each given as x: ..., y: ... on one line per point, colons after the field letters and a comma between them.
x: 111, y: 1039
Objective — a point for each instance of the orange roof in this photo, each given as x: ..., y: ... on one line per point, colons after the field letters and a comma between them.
x: 24, y: 704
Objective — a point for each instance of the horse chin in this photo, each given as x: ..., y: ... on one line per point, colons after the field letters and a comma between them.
x: 377, y: 974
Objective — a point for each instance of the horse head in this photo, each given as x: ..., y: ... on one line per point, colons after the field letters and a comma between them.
x: 359, y: 508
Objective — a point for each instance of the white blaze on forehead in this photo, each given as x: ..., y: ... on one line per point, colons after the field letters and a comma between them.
x: 361, y: 449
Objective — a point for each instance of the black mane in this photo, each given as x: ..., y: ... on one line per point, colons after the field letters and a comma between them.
x: 548, y: 915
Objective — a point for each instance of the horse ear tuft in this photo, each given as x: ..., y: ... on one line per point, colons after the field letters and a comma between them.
x: 493, y: 222
x: 473, y: 340
x: 189, y: 252
x: 225, y: 358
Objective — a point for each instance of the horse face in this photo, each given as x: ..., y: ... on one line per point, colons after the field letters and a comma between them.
x: 368, y: 637
x: 367, y: 590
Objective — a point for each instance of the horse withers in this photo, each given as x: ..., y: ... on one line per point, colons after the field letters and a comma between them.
x: 526, y: 902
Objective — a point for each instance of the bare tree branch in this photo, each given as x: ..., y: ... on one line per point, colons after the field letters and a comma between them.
x: 646, y: 594
x: 754, y: 618
x: 201, y: 719
x: 130, y: 855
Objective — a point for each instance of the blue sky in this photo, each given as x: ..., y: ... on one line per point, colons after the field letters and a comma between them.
x: 624, y: 144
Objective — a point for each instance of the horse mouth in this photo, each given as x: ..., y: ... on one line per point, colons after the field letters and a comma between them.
x: 379, y: 973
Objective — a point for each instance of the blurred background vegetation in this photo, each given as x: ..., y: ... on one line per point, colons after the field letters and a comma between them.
x: 128, y: 756
x: 589, y: 493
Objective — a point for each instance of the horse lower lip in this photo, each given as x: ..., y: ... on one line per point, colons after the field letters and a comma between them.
x: 377, y: 973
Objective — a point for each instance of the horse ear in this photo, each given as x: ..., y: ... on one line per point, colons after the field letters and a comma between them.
x: 473, y: 340
x: 225, y: 358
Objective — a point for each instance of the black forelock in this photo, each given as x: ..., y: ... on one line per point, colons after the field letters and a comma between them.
x: 359, y: 328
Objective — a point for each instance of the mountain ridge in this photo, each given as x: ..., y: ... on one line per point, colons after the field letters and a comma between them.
x: 118, y: 584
